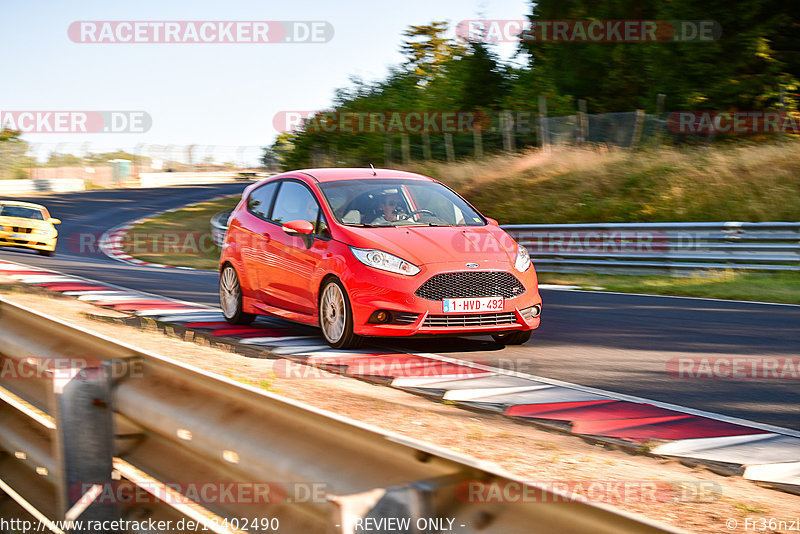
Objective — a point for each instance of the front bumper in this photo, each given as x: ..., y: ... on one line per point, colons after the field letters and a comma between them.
x: 371, y: 290
x: 32, y: 241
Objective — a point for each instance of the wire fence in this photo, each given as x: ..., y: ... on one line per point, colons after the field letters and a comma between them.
x: 505, y: 131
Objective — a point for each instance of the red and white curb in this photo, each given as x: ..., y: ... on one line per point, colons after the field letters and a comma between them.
x: 762, y: 453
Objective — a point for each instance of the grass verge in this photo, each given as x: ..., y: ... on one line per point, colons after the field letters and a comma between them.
x: 728, y: 284
x: 180, y: 238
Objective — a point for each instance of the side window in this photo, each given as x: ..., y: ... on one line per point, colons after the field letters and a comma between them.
x: 295, y: 202
x: 259, y: 201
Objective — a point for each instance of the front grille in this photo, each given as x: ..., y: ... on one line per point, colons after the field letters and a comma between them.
x: 21, y: 230
x: 477, y: 319
x: 471, y: 284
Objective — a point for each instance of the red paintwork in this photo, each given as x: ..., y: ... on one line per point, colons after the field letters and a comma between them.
x: 282, y: 276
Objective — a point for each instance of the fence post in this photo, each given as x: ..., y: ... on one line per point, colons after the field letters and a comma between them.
x: 477, y: 138
x: 448, y: 147
x: 660, y: 99
x: 406, y: 148
x: 544, y: 133
x: 637, y: 128
x: 507, y: 126
x: 387, y: 151
x: 426, y: 145
x: 583, y: 122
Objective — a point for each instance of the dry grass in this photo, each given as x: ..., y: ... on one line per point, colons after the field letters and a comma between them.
x: 599, y: 184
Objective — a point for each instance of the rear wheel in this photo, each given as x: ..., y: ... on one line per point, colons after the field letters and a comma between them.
x: 512, y: 338
x: 336, y: 316
x: 230, y: 298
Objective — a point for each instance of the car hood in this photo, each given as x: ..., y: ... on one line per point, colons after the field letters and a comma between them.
x: 428, y: 244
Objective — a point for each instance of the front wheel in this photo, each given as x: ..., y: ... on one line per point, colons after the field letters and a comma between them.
x: 230, y: 298
x: 46, y: 252
x: 336, y: 316
x: 512, y: 338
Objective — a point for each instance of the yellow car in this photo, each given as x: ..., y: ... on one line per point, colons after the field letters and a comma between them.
x: 27, y: 225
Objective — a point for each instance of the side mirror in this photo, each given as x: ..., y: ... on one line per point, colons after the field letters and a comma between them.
x: 493, y: 222
x: 55, y: 221
x: 299, y: 226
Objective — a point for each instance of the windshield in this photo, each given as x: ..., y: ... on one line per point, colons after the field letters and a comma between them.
x: 398, y: 202
x: 21, y: 211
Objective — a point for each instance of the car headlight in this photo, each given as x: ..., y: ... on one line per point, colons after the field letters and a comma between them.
x: 523, y: 259
x: 384, y: 261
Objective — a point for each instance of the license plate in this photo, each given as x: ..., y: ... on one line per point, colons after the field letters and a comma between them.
x: 19, y: 236
x: 484, y: 304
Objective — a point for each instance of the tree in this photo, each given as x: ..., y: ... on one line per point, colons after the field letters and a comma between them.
x: 13, y: 159
x: 744, y: 68
x: 427, y: 50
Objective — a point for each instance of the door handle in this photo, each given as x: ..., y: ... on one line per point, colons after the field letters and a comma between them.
x: 266, y: 237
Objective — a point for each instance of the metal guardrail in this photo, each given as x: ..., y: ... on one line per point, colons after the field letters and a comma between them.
x: 646, y: 248
x: 118, y: 415
x: 219, y: 225
x: 661, y: 248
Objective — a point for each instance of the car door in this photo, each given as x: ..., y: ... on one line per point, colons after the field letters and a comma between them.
x: 290, y: 283
x: 254, y: 241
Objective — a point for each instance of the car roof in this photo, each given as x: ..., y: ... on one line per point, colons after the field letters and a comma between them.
x: 19, y: 203
x: 334, y: 174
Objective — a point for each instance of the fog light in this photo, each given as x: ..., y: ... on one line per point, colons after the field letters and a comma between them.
x: 380, y: 316
x: 532, y: 312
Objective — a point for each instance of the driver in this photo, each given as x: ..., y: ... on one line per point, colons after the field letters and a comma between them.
x: 389, y: 207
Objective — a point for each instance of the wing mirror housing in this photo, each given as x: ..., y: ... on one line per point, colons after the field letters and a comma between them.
x: 298, y: 227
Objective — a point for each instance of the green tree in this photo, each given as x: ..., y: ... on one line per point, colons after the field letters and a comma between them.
x: 744, y: 68
x: 13, y: 158
x: 427, y: 50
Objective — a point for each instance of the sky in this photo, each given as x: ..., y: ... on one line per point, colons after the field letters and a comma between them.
x: 200, y: 93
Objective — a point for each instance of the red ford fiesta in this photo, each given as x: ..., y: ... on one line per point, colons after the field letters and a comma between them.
x: 363, y: 252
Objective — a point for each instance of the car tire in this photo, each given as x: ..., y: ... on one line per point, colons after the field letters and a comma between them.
x: 517, y: 337
x: 336, y: 316
x: 230, y: 297
x: 46, y: 252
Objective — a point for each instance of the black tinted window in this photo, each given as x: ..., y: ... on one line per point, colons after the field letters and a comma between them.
x: 21, y: 211
x: 259, y: 201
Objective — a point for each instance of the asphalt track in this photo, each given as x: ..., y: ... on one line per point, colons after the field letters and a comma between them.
x: 622, y: 343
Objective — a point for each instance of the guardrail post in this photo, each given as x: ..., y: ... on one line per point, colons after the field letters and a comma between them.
x: 84, y: 441
x: 409, y: 509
